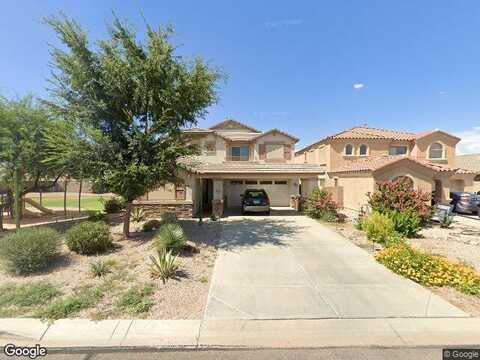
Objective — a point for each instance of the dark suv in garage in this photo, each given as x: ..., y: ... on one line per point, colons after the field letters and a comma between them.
x: 255, y: 200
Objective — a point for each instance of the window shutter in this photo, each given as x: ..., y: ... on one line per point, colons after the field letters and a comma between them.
x: 288, y: 152
x: 263, y: 151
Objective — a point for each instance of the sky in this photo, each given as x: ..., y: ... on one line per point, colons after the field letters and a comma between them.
x: 310, y: 68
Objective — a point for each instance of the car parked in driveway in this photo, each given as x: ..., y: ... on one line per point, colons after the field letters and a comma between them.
x: 465, y: 202
x: 255, y: 200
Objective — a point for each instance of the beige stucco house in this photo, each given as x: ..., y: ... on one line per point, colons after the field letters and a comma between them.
x: 470, y: 162
x: 358, y: 158
x: 234, y: 157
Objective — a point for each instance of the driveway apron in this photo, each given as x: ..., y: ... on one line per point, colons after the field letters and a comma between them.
x: 292, y: 267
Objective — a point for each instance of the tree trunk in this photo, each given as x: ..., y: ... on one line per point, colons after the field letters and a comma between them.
x: 80, y: 195
x: 65, y: 197
x: 17, y: 200
x: 126, y: 220
x: 1, y: 216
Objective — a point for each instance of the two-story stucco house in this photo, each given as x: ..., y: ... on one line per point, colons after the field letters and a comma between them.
x: 357, y: 158
x: 235, y: 157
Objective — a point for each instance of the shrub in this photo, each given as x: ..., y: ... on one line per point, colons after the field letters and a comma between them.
x: 430, y: 269
x: 137, y: 300
x: 171, y: 237
x: 113, y: 205
x: 379, y: 227
x: 406, y: 223
x: 152, y: 225
x: 88, y: 238
x: 446, y: 221
x: 320, y: 205
x: 164, y: 266
x: 169, y: 218
x: 399, y: 195
x: 96, y: 215
x: 29, y: 250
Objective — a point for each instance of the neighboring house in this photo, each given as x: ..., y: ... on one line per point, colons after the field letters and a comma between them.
x: 470, y: 162
x: 235, y: 157
x: 357, y: 158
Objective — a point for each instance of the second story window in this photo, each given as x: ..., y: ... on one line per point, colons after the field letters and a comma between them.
x: 240, y: 153
x: 349, y: 150
x: 435, y: 151
x: 363, y: 150
x: 397, y: 150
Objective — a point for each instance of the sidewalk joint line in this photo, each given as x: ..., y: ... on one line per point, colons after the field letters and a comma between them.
x: 126, y: 332
x: 43, y: 334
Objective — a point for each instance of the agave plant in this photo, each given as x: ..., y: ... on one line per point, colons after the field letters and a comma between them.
x: 171, y: 237
x: 164, y: 266
x: 138, y: 215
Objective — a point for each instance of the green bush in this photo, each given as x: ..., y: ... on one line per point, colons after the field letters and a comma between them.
x: 113, y: 205
x: 151, y: 225
x: 320, y: 205
x: 83, y: 298
x: 94, y: 215
x: 406, y: 223
x: 171, y: 237
x: 88, y: 238
x: 430, y: 269
x: 101, y: 267
x: 169, y: 218
x: 27, y: 295
x: 379, y: 227
x: 29, y: 250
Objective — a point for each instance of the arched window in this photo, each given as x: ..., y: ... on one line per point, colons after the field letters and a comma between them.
x: 435, y: 151
x: 477, y: 178
x: 349, y: 149
x: 363, y: 150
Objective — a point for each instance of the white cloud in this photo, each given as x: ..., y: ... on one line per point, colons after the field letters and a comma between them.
x: 442, y: 93
x: 470, y: 143
x: 281, y: 23
x: 358, y: 86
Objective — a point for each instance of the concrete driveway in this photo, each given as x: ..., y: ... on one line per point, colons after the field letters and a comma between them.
x: 287, y: 267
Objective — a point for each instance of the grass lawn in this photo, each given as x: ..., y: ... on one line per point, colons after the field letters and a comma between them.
x: 87, y: 203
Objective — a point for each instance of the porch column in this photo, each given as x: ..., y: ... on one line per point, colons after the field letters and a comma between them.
x: 217, y: 202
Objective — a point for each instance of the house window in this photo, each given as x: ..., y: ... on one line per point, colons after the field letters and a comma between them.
x: 363, y: 150
x: 435, y: 151
x: 251, y: 182
x: 210, y: 148
x: 240, y: 153
x: 266, y: 182
x: 397, y: 150
x: 349, y: 150
x: 281, y: 182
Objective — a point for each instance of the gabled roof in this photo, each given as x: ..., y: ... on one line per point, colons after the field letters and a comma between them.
x: 197, y: 131
x: 273, y: 131
x: 470, y: 162
x: 375, y: 163
x: 233, y: 125
x: 366, y: 132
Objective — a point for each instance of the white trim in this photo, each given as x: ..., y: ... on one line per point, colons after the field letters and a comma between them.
x: 443, y: 151
x: 345, y: 150
x: 360, y: 149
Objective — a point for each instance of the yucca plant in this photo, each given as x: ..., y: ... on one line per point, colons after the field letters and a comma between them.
x: 164, y: 266
x: 138, y: 215
x: 100, y: 268
x: 171, y: 237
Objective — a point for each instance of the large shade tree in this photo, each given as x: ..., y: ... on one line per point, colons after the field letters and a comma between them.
x: 23, y: 149
x: 138, y: 95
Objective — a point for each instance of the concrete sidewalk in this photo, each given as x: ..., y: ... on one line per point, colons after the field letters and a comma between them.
x: 311, y: 333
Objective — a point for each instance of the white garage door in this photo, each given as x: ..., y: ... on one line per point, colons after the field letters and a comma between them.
x: 277, y: 190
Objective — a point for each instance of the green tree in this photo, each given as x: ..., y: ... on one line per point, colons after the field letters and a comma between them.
x: 137, y: 95
x: 22, y: 149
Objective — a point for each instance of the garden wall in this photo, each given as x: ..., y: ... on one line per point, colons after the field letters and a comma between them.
x: 155, y: 209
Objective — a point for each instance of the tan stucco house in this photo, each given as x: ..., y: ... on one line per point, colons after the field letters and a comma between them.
x: 471, y: 162
x: 234, y: 157
x: 358, y: 158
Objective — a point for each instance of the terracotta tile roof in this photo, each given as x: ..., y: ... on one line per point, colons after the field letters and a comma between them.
x: 374, y: 163
x: 272, y: 131
x: 238, y: 135
x: 250, y: 167
x: 365, y: 132
x: 197, y: 130
x: 470, y: 162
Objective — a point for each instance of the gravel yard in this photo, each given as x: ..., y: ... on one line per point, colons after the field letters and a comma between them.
x: 183, y: 297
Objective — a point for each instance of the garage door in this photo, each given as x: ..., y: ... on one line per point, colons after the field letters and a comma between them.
x: 277, y: 190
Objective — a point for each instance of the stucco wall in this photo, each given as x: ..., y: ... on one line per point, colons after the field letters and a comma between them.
x: 422, y: 178
x: 355, y: 189
x: 274, y: 138
x: 420, y: 150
